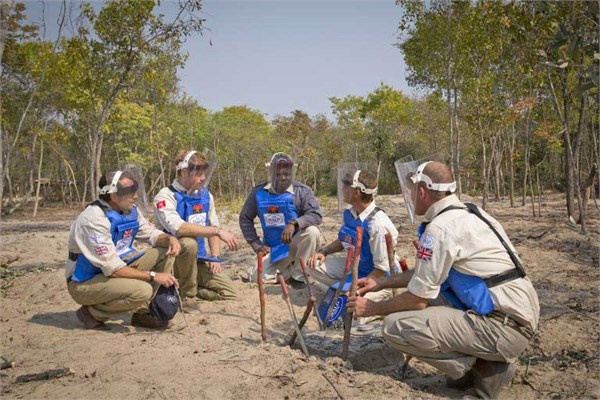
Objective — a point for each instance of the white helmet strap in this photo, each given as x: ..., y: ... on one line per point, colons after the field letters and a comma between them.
x: 112, y: 186
x: 359, y: 185
x: 186, y: 161
x: 420, y: 176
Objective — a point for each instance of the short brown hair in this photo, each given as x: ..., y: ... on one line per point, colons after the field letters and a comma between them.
x: 370, y: 182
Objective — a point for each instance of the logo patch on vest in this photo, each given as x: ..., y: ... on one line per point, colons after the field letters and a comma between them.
x: 274, y: 219
x: 197, y: 208
x: 197, y: 219
x: 161, y: 204
x: 427, y: 241
x: 272, y: 209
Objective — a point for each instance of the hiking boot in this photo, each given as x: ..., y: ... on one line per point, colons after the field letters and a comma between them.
x: 490, y: 377
x: 189, y: 306
x: 89, y: 322
x: 148, y: 321
x: 295, y: 284
x: 463, y: 383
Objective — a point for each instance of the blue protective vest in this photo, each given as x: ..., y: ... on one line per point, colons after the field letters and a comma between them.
x: 275, y: 212
x: 194, y: 210
x: 123, y: 229
x: 347, y: 234
x: 463, y: 291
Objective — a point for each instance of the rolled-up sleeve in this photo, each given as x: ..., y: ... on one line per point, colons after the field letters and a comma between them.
x: 434, y: 258
x: 377, y: 245
x: 213, y: 218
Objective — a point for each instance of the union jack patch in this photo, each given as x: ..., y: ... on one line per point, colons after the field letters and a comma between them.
x: 424, y: 253
x: 101, y: 250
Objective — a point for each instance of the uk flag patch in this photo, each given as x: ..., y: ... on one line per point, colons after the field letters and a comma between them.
x: 424, y: 253
x: 101, y: 250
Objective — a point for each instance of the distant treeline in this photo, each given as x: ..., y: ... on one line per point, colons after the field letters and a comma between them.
x: 511, y: 103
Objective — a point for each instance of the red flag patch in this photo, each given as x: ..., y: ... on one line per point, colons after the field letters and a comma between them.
x: 161, y: 204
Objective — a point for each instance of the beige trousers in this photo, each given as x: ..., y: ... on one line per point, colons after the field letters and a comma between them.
x: 108, y: 296
x: 304, y: 244
x: 214, y: 286
x: 185, y: 269
x: 450, y: 339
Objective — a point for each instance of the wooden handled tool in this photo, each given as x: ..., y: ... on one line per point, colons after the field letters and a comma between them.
x: 261, y: 296
x: 348, y: 326
x: 286, y: 296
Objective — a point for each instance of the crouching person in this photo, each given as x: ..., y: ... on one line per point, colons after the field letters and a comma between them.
x: 187, y: 209
x: 469, y: 310
x: 105, y: 274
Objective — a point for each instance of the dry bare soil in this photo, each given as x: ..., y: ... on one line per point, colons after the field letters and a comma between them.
x: 221, y: 355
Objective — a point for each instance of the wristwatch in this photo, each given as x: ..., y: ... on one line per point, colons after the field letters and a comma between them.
x: 296, y: 224
x: 152, y: 276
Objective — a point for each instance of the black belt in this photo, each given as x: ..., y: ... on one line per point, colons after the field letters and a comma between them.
x: 73, y: 256
x: 512, y: 323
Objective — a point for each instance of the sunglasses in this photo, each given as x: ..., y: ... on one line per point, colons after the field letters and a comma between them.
x: 347, y: 182
x: 197, y: 167
x: 124, y: 191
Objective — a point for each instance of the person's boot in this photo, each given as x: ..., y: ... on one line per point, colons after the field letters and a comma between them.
x: 189, y: 306
x: 148, y: 321
x: 89, y: 322
x: 296, y: 284
x: 463, y: 383
x: 490, y: 377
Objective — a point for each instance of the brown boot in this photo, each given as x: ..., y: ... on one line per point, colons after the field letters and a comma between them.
x: 491, y: 377
x: 89, y: 322
x: 189, y: 306
x: 148, y: 321
x: 463, y: 383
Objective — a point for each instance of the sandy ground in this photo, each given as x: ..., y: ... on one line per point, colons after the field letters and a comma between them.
x: 221, y: 355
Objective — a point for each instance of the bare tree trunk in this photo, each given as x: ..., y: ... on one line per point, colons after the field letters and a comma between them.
x: 512, y: 166
x: 39, y: 179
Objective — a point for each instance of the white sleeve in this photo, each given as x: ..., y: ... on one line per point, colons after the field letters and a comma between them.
x: 165, y: 211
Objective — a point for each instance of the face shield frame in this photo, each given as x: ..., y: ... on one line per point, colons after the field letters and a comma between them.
x: 347, y: 176
x: 280, y: 162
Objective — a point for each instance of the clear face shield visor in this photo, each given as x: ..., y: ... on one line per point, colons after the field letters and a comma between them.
x: 123, y: 190
x: 198, y: 169
x: 347, y: 181
x: 282, y: 172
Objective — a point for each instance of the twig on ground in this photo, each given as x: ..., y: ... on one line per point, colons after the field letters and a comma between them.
x: 333, y: 386
x: 45, y: 375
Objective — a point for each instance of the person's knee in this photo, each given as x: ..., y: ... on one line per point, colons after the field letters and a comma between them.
x: 189, y: 245
x: 313, y: 233
x: 140, y: 293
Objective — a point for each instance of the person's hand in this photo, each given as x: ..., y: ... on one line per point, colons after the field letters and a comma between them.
x: 361, y: 307
x: 317, y: 258
x: 366, y: 285
x: 229, y: 239
x: 264, y: 249
x: 288, y: 232
x: 174, y: 246
x: 215, y: 267
x: 166, y: 279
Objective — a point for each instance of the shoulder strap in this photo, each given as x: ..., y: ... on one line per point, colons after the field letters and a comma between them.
x: 372, y: 213
x: 508, y: 275
x: 172, y: 189
x: 100, y: 204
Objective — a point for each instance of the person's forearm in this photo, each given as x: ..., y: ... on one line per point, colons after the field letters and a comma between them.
x: 395, y: 281
x: 404, y: 302
x: 132, y: 273
x: 332, y: 247
x: 214, y: 243
x: 163, y: 241
x: 192, y: 230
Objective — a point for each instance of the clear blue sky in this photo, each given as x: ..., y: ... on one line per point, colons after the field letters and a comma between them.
x: 280, y: 55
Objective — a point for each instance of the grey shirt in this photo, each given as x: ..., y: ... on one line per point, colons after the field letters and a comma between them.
x: 304, y: 199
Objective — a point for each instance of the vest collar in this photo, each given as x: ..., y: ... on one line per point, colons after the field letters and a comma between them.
x: 269, y: 188
x: 363, y: 215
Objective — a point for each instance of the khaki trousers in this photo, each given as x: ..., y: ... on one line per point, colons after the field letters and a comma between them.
x: 108, y: 296
x: 304, y: 244
x: 213, y: 287
x: 450, y: 339
x: 185, y: 269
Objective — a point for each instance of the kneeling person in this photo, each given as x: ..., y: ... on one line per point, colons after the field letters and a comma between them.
x: 358, y: 190
x: 186, y: 209
x: 105, y: 274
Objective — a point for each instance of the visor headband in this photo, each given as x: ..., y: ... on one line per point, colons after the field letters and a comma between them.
x: 282, y: 155
x: 420, y: 176
x: 360, y: 185
x: 184, y: 164
x: 112, y: 187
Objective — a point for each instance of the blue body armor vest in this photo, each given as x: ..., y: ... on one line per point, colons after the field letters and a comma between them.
x: 275, y: 212
x: 194, y: 210
x: 469, y: 292
x: 123, y: 229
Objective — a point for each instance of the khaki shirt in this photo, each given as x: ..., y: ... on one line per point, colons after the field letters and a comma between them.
x: 90, y: 235
x: 379, y: 225
x: 459, y: 239
x: 165, y: 209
